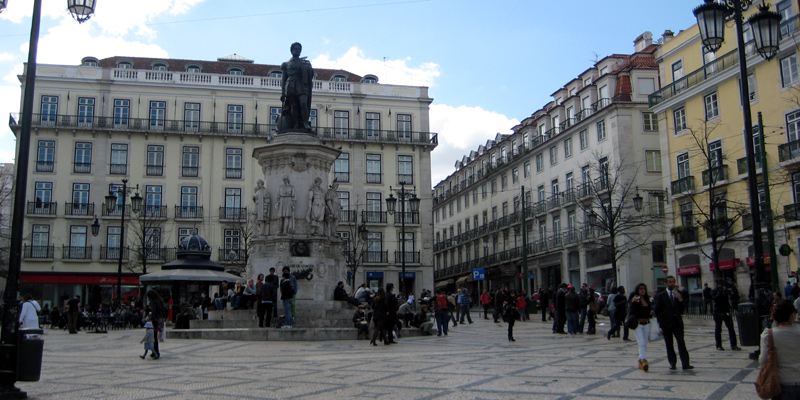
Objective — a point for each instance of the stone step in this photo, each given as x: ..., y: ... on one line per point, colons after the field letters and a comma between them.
x: 253, y: 323
x: 273, y: 334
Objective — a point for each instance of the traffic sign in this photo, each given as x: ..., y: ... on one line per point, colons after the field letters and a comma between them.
x: 478, y: 274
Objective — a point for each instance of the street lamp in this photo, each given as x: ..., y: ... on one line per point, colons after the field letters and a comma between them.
x: 81, y: 10
x: 637, y: 201
x: 391, y: 206
x: 711, y: 17
x: 111, y: 206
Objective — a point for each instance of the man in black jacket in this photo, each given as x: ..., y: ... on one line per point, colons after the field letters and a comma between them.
x: 391, y: 313
x: 722, y: 313
x: 561, y: 308
x: 669, y: 307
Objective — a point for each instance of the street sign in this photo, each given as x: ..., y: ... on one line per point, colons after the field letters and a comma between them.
x: 478, y: 274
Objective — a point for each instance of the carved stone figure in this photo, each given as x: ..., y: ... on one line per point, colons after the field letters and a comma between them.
x: 296, y: 86
x: 316, y: 208
x: 286, y: 201
x: 332, y: 210
x: 263, y: 202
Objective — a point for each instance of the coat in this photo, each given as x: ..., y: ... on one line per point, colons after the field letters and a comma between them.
x: 668, y: 312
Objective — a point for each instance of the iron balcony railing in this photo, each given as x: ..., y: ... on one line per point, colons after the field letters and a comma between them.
x: 164, y: 254
x: 233, y: 213
x: 45, y: 166
x: 38, y: 252
x: 789, y: 151
x: 715, y: 175
x: 348, y: 216
x: 76, y: 252
x: 118, y: 169
x: 79, y: 209
x: 412, y: 257
x: 154, y: 170
x: 233, y: 173
x: 189, y: 212
x: 154, y: 211
x: 116, y: 211
x: 375, y: 257
x: 374, y: 217
x: 408, y: 217
x: 112, y: 253
x: 41, y: 208
x: 791, y: 212
x: 232, y: 255
x: 81, y: 167
x: 683, y: 185
x: 189, y: 172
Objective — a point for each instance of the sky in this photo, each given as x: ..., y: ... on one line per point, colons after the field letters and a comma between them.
x: 488, y: 64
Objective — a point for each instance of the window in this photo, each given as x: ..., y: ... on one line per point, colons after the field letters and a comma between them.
x: 526, y: 140
x: 155, y: 160
x: 677, y: 70
x: 686, y: 214
x: 312, y: 118
x: 191, y: 117
x: 540, y: 194
x: 715, y: 153
x: 43, y: 195
x: 374, y: 207
x: 583, y: 137
x: 793, y: 126
x: 193, y: 69
x: 233, y: 163
x: 49, y: 110
x: 158, y: 113
x: 711, y: 106
x: 235, y: 118
x: 405, y: 170
x: 85, y: 111
x: 515, y: 175
x: 568, y: 147
x: 646, y: 86
x: 124, y: 65
x: 152, y: 201
x: 341, y: 168
x: 152, y: 243
x: 77, y: 243
x: 40, y: 241
x: 601, y: 130
x: 231, y: 240
x: 404, y: 127
x: 484, y: 191
x: 374, y: 247
x: 80, y: 199
x: 190, y: 161
x: 679, y: 119
x: 188, y: 196
x: 554, y: 189
x: 344, y: 203
x: 235, y: 71
x: 82, y: 161
x: 185, y: 233
x: 339, y: 78
x: 373, y: 168
x: 603, y: 94
x: 233, y: 203
x: 569, y: 182
x: 493, y: 185
x: 789, y: 70
x: 603, y: 170
x: 45, y: 155
x: 119, y: 159
x: 526, y: 169
x: 752, y: 86
x: 159, y: 67
x: 276, y: 74
x: 586, y: 174
x: 475, y: 196
x: 553, y: 155
x: 466, y: 200
x: 341, y: 123
x: 274, y: 115
x: 539, y: 162
x: 369, y: 80
x: 373, y: 125
x: 653, y: 160
x: 683, y: 165
x: 89, y: 62
x: 649, y: 122
x: 503, y: 182
x: 122, y: 112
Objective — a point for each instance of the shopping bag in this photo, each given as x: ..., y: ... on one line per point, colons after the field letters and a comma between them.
x: 655, y: 331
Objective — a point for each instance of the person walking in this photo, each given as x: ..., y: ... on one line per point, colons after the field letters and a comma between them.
x: 561, y: 308
x: 544, y: 302
x: 708, y: 299
x: 157, y: 314
x: 29, y: 313
x: 722, y: 313
x: 511, y: 315
x: 669, y: 307
x: 572, y: 307
x: 73, y: 309
x: 785, y: 337
x: 591, y: 314
x: 441, y: 312
x: 486, y: 301
x: 379, y: 317
x: 149, y: 339
x: 522, y: 305
x: 620, y: 311
x: 583, y: 298
x: 391, y: 314
x: 287, y: 297
x: 611, y: 307
x: 642, y: 310
x: 464, y: 305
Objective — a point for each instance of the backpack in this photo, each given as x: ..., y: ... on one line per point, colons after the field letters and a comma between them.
x: 441, y: 303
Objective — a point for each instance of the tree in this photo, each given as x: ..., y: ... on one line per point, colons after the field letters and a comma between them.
x: 354, y: 241
x: 145, y: 231
x: 6, y: 209
x: 612, y: 206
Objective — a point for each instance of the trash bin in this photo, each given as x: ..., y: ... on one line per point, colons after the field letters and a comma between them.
x: 29, y: 355
x: 749, y: 325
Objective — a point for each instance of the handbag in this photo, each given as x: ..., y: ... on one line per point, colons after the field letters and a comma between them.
x: 768, y: 383
x: 631, y: 322
x: 655, y: 331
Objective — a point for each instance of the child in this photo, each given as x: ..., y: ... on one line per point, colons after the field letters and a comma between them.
x: 148, y: 339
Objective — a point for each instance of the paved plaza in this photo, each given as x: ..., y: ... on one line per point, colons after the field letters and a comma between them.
x: 474, y: 362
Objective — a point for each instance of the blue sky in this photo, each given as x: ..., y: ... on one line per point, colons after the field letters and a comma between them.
x: 489, y: 64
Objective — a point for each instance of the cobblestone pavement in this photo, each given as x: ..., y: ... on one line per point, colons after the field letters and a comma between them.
x: 475, y: 362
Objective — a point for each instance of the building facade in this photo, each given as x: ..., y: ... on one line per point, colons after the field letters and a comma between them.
x: 182, y: 132
x: 595, y: 134
x: 701, y: 125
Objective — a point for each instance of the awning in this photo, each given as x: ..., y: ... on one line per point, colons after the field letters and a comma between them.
x: 724, y: 265
x: 689, y: 270
x: 443, y: 283
x: 77, y: 279
x: 374, y: 275
x: 189, y: 275
x: 462, y: 280
x: 410, y: 275
x: 751, y: 261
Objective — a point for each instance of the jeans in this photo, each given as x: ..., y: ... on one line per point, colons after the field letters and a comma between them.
x: 642, y: 333
x: 465, y: 313
x: 442, y: 320
x: 592, y: 322
x: 718, y: 320
x: 572, y: 322
x: 287, y: 312
x: 582, y: 321
x: 264, y: 312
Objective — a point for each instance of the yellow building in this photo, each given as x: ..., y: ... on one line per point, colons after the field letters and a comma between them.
x: 703, y: 152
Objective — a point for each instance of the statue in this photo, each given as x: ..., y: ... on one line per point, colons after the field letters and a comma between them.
x: 333, y: 209
x: 296, y: 85
x: 285, y: 206
x: 316, y: 207
x: 263, y: 206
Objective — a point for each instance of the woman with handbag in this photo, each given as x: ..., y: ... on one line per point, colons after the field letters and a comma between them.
x: 780, y: 356
x: 641, y: 311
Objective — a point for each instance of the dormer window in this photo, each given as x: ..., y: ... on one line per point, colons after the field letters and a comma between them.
x: 370, y: 79
x: 339, y: 78
x: 193, y: 69
x: 159, y: 67
x: 124, y: 65
x: 275, y: 74
x: 235, y: 71
x: 89, y: 62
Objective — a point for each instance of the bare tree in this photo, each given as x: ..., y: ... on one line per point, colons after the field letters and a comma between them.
x: 145, y: 232
x: 354, y: 241
x: 6, y: 208
x: 612, y: 206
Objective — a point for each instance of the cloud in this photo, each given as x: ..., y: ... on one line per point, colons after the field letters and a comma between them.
x: 389, y: 71
x: 462, y: 129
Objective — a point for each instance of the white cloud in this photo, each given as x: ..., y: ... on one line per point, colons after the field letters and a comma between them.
x: 462, y: 129
x: 390, y: 71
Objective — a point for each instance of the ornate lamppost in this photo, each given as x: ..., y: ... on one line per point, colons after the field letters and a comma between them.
x: 81, y: 10
x: 111, y: 205
x: 391, y: 205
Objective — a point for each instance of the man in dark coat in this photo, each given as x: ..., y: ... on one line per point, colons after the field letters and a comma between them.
x: 391, y: 313
x: 544, y: 301
x: 722, y: 313
x: 669, y: 306
x: 561, y: 308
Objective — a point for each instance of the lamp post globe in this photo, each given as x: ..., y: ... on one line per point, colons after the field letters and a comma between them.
x: 136, y: 202
x: 765, y: 26
x: 414, y: 203
x: 81, y: 10
x: 391, y: 203
x: 3, y: 4
x: 95, y: 227
x: 711, y: 22
x: 637, y: 202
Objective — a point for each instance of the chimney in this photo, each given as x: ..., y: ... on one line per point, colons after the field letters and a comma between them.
x: 642, y: 41
x: 667, y: 36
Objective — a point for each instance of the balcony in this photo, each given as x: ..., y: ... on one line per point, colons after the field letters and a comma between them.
x: 188, y: 212
x: 374, y: 217
x: 116, y: 211
x: 540, y: 207
x: 791, y: 212
x: 154, y: 211
x: 683, y: 186
x: 113, y: 253
x: 378, y: 136
x: 584, y: 190
x: 81, y: 168
x: 76, y: 252
x: 42, y: 209
x: 375, y: 257
x: 747, y: 220
x: 233, y: 173
x: 348, y: 216
x: 695, y: 78
x: 570, y: 237
x: 718, y: 227
x: 232, y: 213
x: 79, y: 209
x: 118, y: 169
x: 715, y: 176
x: 154, y: 170
x: 568, y: 197
x: 231, y: 255
x: 411, y: 257
x: 409, y: 218
x: 189, y: 172
x: 789, y: 153
x: 38, y: 252
x: 44, y: 166
x: 162, y: 254
x: 741, y: 166
x: 684, y: 234
x: 554, y: 201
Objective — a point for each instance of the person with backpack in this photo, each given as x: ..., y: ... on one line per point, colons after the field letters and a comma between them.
x: 287, y: 298
x: 510, y: 315
x: 266, y: 303
x: 442, y: 312
x: 464, y: 303
x: 29, y: 313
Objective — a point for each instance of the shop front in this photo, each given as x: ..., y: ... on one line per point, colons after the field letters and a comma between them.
x: 408, y: 282
x: 374, y: 280
x: 95, y: 289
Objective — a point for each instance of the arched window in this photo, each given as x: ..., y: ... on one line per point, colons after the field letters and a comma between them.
x: 370, y: 79
x: 235, y: 71
x: 159, y: 67
x: 193, y: 69
x: 276, y: 74
x: 124, y: 65
x: 89, y: 62
x: 339, y: 78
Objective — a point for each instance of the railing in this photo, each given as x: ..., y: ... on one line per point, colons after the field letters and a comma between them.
x: 791, y: 212
x: 233, y: 173
x: 717, y: 227
x: 348, y: 216
x: 189, y: 212
x: 38, y: 252
x: 189, y: 172
x: 231, y: 255
x: 154, y: 170
x: 41, y: 208
x: 81, y: 168
x: 374, y: 217
x: 233, y: 213
x: 44, y: 166
x: 154, y: 211
x: 116, y: 211
x: 375, y: 257
x: 683, y: 185
x: 715, y: 175
x: 408, y: 217
x: 789, y: 151
x: 76, y: 252
x: 118, y: 169
x: 79, y: 209
x: 554, y: 201
x: 411, y: 257
x: 584, y: 190
x: 568, y: 196
x: 164, y: 254
x: 685, y: 234
x: 363, y: 135
x: 112, y: 253
x: 540, y: 207
x: 694, y: 78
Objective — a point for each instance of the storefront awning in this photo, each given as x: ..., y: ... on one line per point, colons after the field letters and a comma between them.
x: 751, y: 261
x: 443, y: 283
x: 724, y: 265
x: 689, y: 270
x: 77, y: 279
x: 189, y: 275
x: 463, y: 280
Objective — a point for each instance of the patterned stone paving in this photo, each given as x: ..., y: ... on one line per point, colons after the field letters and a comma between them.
x: 475, y: 362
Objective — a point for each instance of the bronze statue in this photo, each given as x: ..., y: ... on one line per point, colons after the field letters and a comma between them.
x: 296, y: 85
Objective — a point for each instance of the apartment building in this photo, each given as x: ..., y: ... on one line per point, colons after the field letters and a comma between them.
x: 596, y: 129
x: 699, y: 98
x: 182, y: 133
